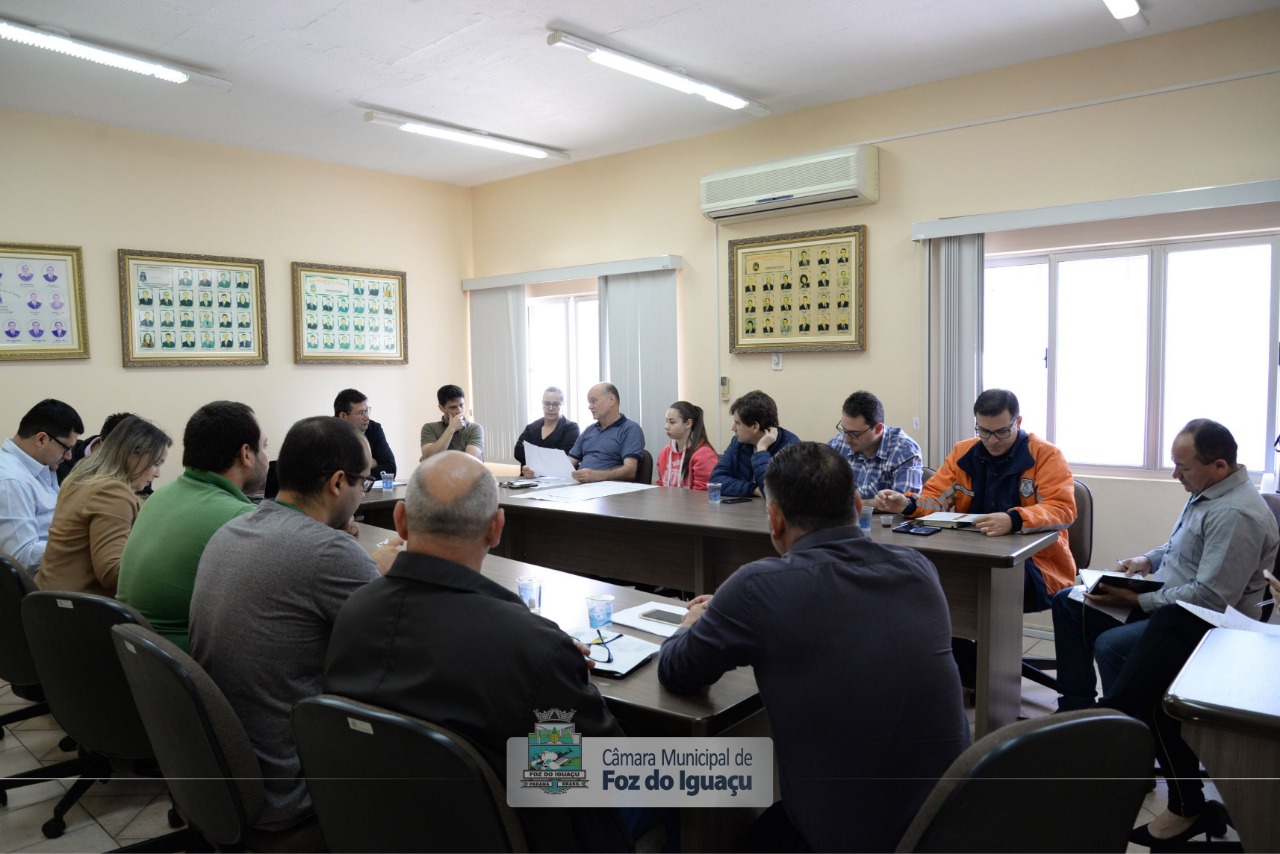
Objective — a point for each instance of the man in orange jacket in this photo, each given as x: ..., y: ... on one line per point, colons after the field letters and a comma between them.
x: 1017, y: 481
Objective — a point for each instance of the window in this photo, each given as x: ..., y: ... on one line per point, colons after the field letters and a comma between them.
x: 1111, y: 351
x: 564, y: 351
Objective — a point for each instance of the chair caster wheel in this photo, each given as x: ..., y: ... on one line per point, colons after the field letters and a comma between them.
x: 4, y: 797
x: 53, y: 828
x: 175, y: 818
x: 68, y: 744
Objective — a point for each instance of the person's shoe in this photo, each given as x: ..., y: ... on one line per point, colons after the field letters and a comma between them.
x: 1210, y: 822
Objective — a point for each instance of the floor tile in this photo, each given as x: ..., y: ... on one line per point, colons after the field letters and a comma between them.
x: 43, y: 743
x: 88, y: 838
x: 121, y: 785
x: 151, y: 822
x: 38, y: 722
x: 20, y: 828
x: 17, y: 760
x: 115, y: 812
x: 24, y: 796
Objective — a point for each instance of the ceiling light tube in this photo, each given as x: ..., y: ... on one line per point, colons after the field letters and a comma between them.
x: 468, y: 137
x: 654, y: 73
x: 116, y: 59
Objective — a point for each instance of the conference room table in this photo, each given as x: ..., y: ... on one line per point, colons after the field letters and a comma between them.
x: 676, y: 538
x: 730, y: 707
x: 1228, y: 699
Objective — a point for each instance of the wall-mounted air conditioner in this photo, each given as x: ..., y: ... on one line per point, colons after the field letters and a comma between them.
x: 843, y: 176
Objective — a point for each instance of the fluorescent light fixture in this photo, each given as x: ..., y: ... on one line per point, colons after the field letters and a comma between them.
x: 654, y: 73
x: 1128, y: 14
x: 68, y: 46
x: 468, y: 137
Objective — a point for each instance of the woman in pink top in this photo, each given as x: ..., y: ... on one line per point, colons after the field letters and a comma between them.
x: 687, y: 462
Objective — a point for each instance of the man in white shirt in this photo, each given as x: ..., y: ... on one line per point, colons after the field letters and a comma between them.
x: 29, y: 481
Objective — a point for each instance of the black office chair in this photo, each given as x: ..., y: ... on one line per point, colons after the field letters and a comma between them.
x: 1069, y: 782
x: 71, y: 645
x: 1080, y: 541
x: 212, y: 771
x: 925, y: 474
x: 644, y: 471
x: 17, y: 668
x: 368, y: 768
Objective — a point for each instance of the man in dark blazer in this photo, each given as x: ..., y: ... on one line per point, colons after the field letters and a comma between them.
x: 395, y: 642
x: 352, y: 405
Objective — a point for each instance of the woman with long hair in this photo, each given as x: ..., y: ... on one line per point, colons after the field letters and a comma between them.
x: 97, y: 506
x: 686, y: 462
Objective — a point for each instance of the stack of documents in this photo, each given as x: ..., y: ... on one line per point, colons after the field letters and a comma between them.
x: 628, y: 652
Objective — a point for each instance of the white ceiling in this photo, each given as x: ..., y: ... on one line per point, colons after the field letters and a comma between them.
x: 304, y: 71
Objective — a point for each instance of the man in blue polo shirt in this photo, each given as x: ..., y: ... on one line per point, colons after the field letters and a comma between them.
x: 612, y: 447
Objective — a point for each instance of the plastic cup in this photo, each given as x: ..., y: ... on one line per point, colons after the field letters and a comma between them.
x: 713, y: 493
x: 530, y: 589
x: 864, y: 518
x: 887, y: 519
x: 388, y: 480
x: 599, y: 611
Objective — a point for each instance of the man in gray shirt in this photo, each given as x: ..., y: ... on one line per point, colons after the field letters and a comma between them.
x: 453, y: 432
x: 1224, y: 539
x: 267, y: 592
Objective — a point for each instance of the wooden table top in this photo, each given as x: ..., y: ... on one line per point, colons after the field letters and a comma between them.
x: 1230, y: 682
x: 733, y: 698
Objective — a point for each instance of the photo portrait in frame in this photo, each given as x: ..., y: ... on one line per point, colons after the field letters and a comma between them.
x: 798, y: 292
x: 191, y: 310
x: 42, y: 311
x: 348, y: 315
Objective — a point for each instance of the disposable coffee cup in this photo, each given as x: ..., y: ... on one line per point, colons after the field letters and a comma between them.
x: 599, y: 611
x: 530, y: 589
x: 864, y: 518
x: 713, y: 493
x: 388, y: 480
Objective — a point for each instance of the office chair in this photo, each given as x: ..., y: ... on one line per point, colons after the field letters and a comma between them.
x: 644, y: 471
x: 1273, y: 504
x: 17, y: 668
x: 369, y: 770
x: 71, y: 645
x: 926, y: 473
x: 212, y: 771
x: 1080, y: 541
x: 1069, y: 782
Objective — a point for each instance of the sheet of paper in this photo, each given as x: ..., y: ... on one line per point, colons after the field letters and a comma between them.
x: 1232, y: 619
x: 1119, y: 613
x: 633, y: 619
x: 548, y: 462
x: 628, y: 652
x: 588, y: 491
x: 1091, y: 577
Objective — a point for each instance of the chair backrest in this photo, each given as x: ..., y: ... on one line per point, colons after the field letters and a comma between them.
x: 368, y: 769
x: 1069, y: 782
x: 70, y: 636
x: 212, y: 772
x: 1273, y: 504
x: 644, y: 471
x: 16, y: 666
x: 926, y: 474
x: 1080, y: 534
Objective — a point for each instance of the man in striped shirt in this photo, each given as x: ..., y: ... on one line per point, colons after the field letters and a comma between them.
x: 881, y: 457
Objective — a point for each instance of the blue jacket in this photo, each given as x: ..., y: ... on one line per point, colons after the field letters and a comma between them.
x: 741, y: 467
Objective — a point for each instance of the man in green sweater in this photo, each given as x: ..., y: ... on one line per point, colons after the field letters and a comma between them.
x: 224, y: 457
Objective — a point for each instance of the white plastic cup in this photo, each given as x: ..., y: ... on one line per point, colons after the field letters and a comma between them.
x: 599, y: 610
x: 713, y: 493
x: 388, y: 480
x: 864, y: 518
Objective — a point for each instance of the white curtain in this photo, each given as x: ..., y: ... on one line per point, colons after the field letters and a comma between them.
x: 499, y: 371
x: 638, y: 347
x: 955, y: 269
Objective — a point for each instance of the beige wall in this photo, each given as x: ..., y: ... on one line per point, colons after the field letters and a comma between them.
x: 104, y: 188
x: 646, y: 203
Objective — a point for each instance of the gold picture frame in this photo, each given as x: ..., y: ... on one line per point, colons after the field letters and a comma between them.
x: 335, y: 310
x: 186, y: 311
x: 42, y: 313
x: 798, y: 292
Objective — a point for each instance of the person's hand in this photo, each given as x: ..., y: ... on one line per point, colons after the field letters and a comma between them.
x: 586, y: 653
x: 352, y: 528
x: 385, y: 555
x: 1114, y: 596
x: 766, y: 441
x: 889, y: 501
x: 699, y: 600
x: 994, y: 524
x: 1275, y: 585
x: 457, y: 422
x: 697, y: 608
x: 586, y: 475
x: 1140, y: 565
x: 525, y: 471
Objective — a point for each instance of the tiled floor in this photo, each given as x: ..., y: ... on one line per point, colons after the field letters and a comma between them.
x: 127, y: 810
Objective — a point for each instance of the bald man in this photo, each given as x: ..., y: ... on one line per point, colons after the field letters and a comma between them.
x: 611, y: 448
x: 436, y: 639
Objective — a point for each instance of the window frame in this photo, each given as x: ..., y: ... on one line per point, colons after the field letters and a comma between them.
x: 574, y: 395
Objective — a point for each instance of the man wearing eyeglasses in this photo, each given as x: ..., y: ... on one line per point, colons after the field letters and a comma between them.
x: 351, y: 405
x: 1018, y: 482
x: 881, y: 457
x: 268, y: 590
x: 28, y: 480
